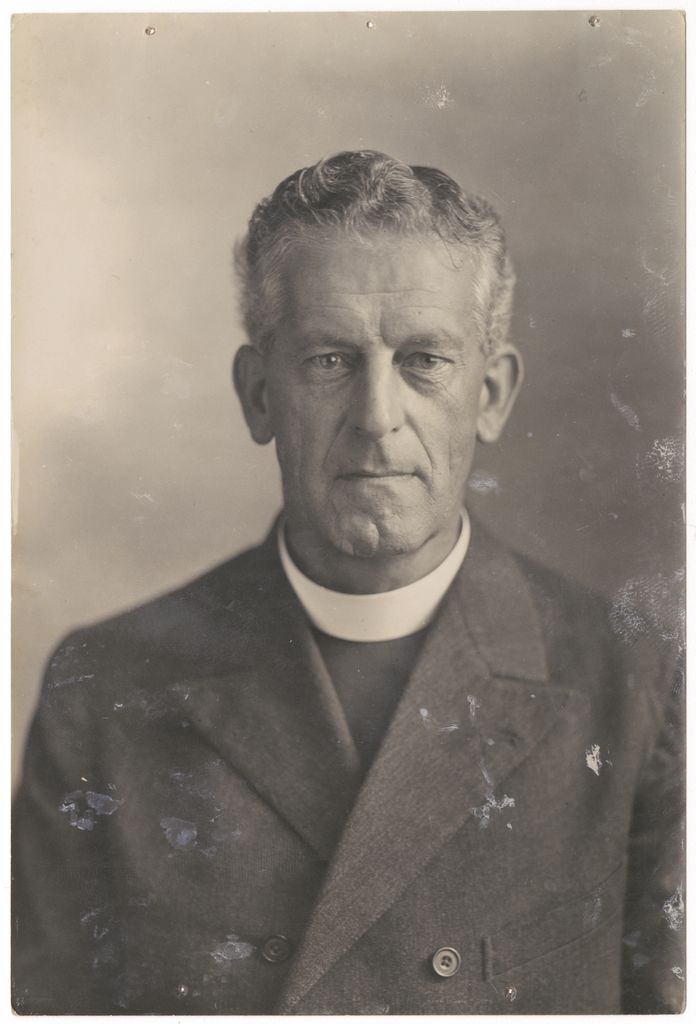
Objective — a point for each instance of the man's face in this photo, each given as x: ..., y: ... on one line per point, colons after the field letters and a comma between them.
x: 373, y: 389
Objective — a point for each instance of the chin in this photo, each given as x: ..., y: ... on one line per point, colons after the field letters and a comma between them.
x: 365, y: 535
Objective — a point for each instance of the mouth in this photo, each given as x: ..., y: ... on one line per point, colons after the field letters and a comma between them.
x: 364, y: 474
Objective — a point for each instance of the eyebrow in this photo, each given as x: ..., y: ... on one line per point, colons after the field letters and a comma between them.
x: 390, y: 291
x: 310, y: 339
x: 440, y: 338
x: 350, y: 309
x: 431, y: 337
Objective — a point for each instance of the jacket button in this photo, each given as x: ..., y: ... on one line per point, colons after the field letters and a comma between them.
x: 275, y: 949
x: 181, y: 991
x: 446, y: 961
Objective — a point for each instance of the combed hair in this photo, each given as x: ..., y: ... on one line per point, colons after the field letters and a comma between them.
x: 363, y: 193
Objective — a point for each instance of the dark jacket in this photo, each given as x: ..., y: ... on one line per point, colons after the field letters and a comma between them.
x: 191, y: 791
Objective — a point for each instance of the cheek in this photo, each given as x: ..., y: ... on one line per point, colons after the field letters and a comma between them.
x: 449, y: 434
x: 461, y: 457
x: 303, y: 436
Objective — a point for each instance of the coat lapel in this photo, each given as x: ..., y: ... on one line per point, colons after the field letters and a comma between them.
x: 476, y: 704
x: 272, y: 712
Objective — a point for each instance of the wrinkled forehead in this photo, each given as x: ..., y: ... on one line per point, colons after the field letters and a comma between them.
x: 339, y: 282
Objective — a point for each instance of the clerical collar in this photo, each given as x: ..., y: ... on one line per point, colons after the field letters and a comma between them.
x: 367, y: 618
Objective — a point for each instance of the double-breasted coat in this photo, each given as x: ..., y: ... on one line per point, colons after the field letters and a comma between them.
x: 193, y: 833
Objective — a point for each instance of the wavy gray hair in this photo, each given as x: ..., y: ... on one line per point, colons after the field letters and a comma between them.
x: 360, y: 194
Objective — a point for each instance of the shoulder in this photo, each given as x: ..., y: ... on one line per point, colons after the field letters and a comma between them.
x: 196, y: 627
x: 566, y: 606
x: 559, y: 605
x: 636, y: 672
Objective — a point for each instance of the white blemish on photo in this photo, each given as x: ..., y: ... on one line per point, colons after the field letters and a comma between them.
x: 484, y: 483
x: 431, y: 723
x: 673, y: 909
x: 180, y: 834
x: 592, y: 911
x: 648, y: 89
x: 647, y: 603
x: 483, y: 813
x: 666, y: 457
x: 82, y: 809
x: 592, y: 759
x: 626, y: 411
x: 232, y: 949
x: 438, y: 97
x: 474, y: 704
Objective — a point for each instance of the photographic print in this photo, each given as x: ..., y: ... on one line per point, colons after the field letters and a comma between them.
x: 348, y: 376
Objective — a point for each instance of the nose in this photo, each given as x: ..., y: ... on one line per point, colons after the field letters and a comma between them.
x: 377, y: 402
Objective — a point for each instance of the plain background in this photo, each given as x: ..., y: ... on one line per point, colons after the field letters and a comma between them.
x: 137, y: 160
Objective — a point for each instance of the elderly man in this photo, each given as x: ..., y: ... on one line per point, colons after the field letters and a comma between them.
x: 379, y: 764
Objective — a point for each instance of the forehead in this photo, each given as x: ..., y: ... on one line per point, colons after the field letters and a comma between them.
x: 380, y: 284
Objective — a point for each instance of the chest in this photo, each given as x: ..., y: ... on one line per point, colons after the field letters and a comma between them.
x: 205, y: 872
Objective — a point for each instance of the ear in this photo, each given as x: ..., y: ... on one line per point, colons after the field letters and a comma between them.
x: 249, y: 376
x: 501, y: 384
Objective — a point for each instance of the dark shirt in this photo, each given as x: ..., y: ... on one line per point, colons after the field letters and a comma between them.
x: 369, y: 679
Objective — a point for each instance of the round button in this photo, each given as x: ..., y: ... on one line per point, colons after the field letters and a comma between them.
x: 182, y: 991
x: 511, y: 993
x: 275, y: 949
x: 446, y: 961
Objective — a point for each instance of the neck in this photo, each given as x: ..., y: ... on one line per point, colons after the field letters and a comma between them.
x: 350, y: 574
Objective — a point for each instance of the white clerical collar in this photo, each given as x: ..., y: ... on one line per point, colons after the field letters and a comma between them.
x: 366, y: 618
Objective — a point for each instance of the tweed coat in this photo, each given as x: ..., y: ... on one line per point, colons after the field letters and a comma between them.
x: 191, y: 789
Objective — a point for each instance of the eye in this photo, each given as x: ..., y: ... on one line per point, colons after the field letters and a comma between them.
x: 424, y: 361
x: 329, y: 361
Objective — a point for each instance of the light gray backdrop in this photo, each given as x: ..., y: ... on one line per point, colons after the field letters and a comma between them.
x: 137, y: 160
